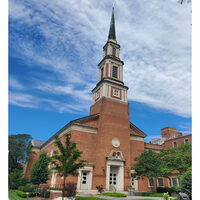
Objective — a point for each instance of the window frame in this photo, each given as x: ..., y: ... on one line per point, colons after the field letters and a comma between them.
x: 114, y: 51
x: 175, y: 143
x: 187, y: 141
x: 102, y: 73
x: 115, y: 72
x: 162, y: 182
x: 149, y: 182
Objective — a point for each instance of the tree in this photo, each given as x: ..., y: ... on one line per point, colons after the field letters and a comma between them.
x: 18, y: 145
x: 15, y: 178
x: 148, y: 164
x: 153, y: 165
x: 178, y: 158
x: 66, y: 160
x: 40, y: 172
x: 186, y: 183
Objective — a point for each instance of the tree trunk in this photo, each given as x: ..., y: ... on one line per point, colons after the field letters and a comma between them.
x: 63, y: 187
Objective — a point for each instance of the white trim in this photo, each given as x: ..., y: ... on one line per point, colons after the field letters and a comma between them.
x: 90, y: 170
x: 120, y: 164
x: 53, y: 178
x: 136, y: 138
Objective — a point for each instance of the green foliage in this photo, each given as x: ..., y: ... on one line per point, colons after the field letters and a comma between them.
x: 153, y: 165
x: 40, y: 171
x: 15, y: 179
x: 21, y: 188
x: 178, y: 158
x: 148, y: 164
x: 166, y: 196
x: 66, y: 161
x: 31, y: 188
x: 21, y: 194
x: 70, y: 189
x: 47, y: 194
x: 18, y: 145
x: 13, y: 196
x: 114, y: 194
x: 186, y: 183
x: 31, y: 194
x: 150, y: 194
x: 165, y: 189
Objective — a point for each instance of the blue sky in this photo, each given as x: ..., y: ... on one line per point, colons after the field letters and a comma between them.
x: 55, y: 47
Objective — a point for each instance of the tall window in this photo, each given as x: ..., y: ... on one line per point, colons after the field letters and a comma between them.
x: 102, y: 73
x: 114, y: 72
x: 114, y: 52
x: 132, y: 180
x: 174, y: 144
x: 160, y: 182
x: 151, y: 182
x: 174, y: 181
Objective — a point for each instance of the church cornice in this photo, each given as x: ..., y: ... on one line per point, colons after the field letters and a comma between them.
x: 112, y: 58
x: 109, y: 81
x: 115, y: 44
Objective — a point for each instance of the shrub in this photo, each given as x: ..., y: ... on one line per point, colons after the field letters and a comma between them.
x: 100, y: 188
x: 31, y: 188
x: 24, y: 181
x: 166, y: 196
x: 164, y: 190
x: 176, y: 189
x: 31, y: 194
x: 70, y: 189
x: 47, y: 194
x: 15, y: 179
x: 43, y: 189
x: 21, y: 194
x: 186, y: 183
x: 40, y: 171
x: 21, y: 188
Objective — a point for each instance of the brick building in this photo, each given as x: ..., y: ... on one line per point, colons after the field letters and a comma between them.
x: 107, y: 138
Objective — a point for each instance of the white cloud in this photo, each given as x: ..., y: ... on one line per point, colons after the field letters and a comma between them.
x: 13, y: 83
x: 155, y: 39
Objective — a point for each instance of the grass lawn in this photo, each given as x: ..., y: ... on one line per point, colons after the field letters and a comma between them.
x: 148, y: 194
x: 114, y: 194
x: 88, y: 198
x: 13, y: 196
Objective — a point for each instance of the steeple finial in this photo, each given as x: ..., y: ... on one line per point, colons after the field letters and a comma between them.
x: 112, y: 34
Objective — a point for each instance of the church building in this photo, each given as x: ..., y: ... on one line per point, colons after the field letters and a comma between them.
x: 107, y: 138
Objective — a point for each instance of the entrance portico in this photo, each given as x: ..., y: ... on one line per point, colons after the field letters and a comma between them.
x: 115, y: 171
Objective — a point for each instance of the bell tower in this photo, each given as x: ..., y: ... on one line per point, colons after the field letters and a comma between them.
x: 112, y: 150
x: 110, y: 77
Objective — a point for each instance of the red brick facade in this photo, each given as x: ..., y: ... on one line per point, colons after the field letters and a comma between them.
x: 107, y: 138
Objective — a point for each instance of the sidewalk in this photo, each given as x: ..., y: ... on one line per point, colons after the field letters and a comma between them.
x: 121, y: 198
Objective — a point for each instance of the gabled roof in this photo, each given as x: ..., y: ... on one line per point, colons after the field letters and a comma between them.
x: 73, y: 122
x: 137, y: 131
x: 85, y: 119
x: 37, y: 143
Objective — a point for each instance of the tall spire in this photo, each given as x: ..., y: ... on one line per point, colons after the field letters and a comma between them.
x: 112, y: 34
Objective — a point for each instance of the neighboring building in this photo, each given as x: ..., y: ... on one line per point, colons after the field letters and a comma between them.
x: 107, y: 138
